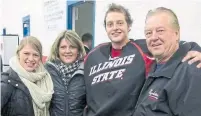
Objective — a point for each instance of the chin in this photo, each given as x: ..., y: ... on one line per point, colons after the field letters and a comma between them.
x: 68, y: 62
x: 30, y: 69
x: 117, y: 40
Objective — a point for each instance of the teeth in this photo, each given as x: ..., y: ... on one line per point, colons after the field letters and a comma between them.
x: 156, y: 45
x: 30, y: 64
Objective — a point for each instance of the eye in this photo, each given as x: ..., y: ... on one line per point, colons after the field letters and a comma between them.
x: 120, y: 23
x: 72, y: 47
x: 36, y: 55
x: 63, y: 47
x: 160, y: 31
x: 26, y: 53
x: 109, y: 24
x: 148, y: 33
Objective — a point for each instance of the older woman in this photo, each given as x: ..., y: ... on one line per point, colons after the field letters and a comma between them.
x: 65, y: 65
x: 26, y: 88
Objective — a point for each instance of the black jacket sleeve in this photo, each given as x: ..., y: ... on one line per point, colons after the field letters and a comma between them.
x: 185, y: 96
x: 195, y: 46
x: 6, y: 93
x: 143, y: 45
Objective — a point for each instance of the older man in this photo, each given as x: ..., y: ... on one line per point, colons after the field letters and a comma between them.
x: 172, y: 88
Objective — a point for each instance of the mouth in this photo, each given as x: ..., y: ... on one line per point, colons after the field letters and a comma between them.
x: 67, y: 56
x: 29, y: 64
x: 156, y: 45
x: 115, y: 34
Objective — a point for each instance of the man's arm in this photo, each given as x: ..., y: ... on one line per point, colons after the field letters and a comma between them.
x: 194, y: 55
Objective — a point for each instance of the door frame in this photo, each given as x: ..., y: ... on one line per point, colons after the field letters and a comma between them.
x: 26, y: 20
x: 69, y: 24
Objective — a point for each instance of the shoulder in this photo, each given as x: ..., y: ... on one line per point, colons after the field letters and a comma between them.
x: 7, y: 81
x: 188, y: 71
x: 95, y: 50
x: 143, y: 45
x: 9, y: 74
x: 51, y: 67
x: 80, y: 70
x: 100, y: 46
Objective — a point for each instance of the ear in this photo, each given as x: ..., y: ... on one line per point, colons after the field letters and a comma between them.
x: 129, y: 28
x: 178, y: 35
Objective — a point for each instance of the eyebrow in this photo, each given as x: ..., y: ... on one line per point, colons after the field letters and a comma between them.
x: 116, y: 21
x: 156, y: 28
x: 29, y: 52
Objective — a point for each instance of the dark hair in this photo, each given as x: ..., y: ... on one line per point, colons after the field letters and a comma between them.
x: 86, y: 37
x: 118, y: 8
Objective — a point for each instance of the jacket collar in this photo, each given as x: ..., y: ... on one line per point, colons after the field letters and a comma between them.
x: 168, y: 69
x: 80, y: 69
x: 106, y: 50
x: 13, y: 75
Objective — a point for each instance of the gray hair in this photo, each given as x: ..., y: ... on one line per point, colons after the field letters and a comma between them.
x: 175, y: 22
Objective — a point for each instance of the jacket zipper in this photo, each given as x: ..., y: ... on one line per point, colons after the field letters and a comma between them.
x: 144, y: 88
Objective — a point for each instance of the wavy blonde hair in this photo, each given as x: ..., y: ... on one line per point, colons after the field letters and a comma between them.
x: 73, y: 38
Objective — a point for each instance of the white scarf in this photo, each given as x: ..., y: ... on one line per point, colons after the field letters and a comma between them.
x: 39, y: 84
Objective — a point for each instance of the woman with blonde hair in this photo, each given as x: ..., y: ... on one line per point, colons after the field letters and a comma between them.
x: 26, y: 88
x: 65, y: 65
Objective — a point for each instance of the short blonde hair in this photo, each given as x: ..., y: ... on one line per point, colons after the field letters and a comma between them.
x: 73, y: 38
x: 33, y: 42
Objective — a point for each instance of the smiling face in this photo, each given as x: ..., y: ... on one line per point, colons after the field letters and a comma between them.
x: 67, y: 53
x: 161, y: 36
x: 116, y: 27
x: 29, y: 58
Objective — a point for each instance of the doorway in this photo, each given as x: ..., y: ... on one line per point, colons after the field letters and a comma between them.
x: 81, y: 17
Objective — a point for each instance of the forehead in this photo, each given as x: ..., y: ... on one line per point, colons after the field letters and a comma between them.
x: 158, y: 20
x: 65, y: 42
x: 28, y: 48
x: 115, y: 16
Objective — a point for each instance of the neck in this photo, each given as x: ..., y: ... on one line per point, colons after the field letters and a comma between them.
x: 120, y: 44
x: 168, y: 56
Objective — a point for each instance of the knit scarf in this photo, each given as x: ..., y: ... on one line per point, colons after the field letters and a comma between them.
x: 39, y: 84
x: 66, y: 69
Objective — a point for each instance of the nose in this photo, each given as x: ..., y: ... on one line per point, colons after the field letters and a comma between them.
x: 115, y: 26
x: 31, y: 58
x: 154, y: 36
x: 68, y: 50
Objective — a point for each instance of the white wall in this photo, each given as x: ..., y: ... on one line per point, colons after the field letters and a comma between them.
x: 42, y: 16
x: 1, y: 20
x: 15, y: 10
x: 188, y: 12
x: 54, y: 21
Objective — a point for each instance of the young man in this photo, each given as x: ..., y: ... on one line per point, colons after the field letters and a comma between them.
x: 87, y: 41
x: 172, y: 87
x: 115, y: 72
